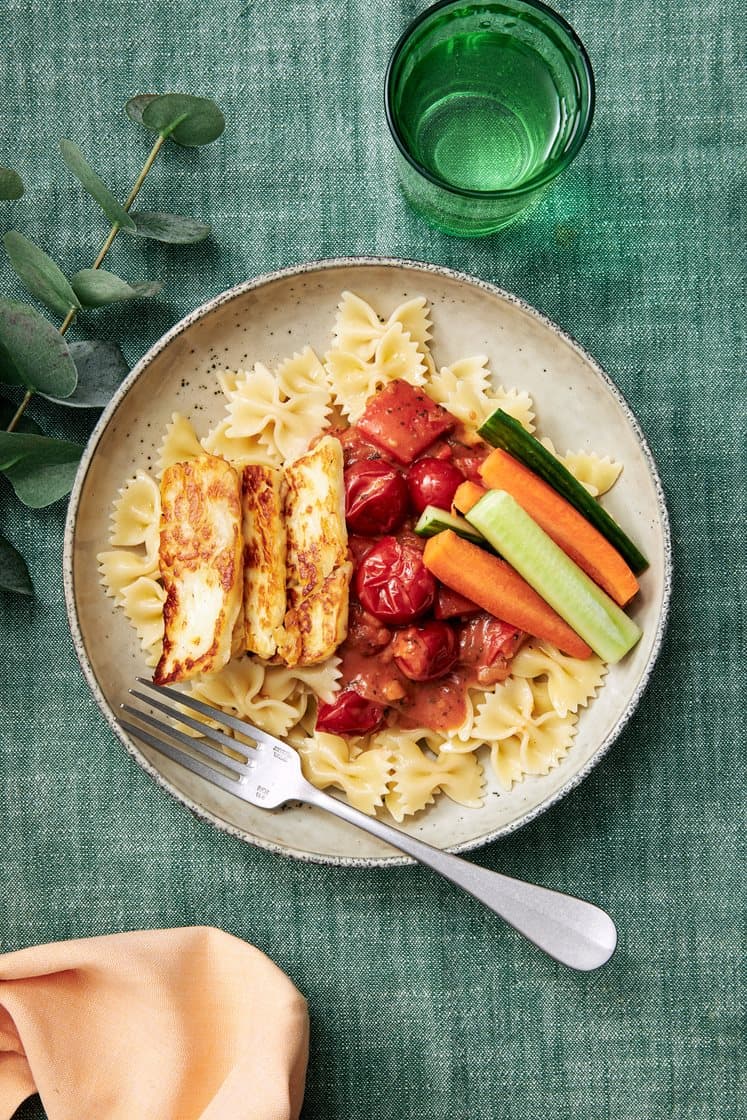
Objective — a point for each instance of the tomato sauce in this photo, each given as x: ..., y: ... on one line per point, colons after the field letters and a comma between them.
x: 392, y: 604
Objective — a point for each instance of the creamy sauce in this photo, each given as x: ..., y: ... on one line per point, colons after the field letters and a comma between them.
x: 440, y: 704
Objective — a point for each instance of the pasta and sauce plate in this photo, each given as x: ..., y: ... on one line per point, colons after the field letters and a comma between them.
x: 258, y: 395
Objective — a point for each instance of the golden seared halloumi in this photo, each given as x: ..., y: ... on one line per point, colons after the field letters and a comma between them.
x: 315, y: 628
x: 264, y: 558
x: 318, y: 572
x: 201, y: 563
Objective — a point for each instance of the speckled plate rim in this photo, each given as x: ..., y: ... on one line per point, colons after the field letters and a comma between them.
x: 140, y: 368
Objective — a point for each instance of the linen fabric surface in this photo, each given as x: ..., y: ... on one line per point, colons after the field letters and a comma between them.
x: 421, y: 1002
x: 188, y: 1023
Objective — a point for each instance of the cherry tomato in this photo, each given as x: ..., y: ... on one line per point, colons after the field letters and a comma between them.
x: 393, y: 583
x: 375, y: 497
x: 433, y: 482
x: 425, y: 652
x: 349, y: 714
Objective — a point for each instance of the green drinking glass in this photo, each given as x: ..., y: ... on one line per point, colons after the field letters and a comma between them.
x: 487, y: 102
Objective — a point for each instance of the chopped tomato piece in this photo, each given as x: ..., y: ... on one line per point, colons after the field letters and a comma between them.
x: 366, y: 633
x: 450, y: 604
x: 487, y: 644
x: 403, y: 421
x: 470, y: 465
x: 425, y: 652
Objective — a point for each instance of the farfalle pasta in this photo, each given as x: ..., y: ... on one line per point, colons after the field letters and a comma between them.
x: 362, y: 775
x: 512, y: 728
x: 596, y: 474
x: 354, y: 381
x: 179, y: 444
x: 358, y: 329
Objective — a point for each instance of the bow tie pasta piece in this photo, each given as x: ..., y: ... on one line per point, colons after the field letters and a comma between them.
x: 134, y: 523
x: 180, y: 443
x: 463, y: 388
x: 271, y: 696
x: 240, y: 450
x: 142, y: 603
x: 358, y: 329
x: 354, y: 381
x: 418, y: 775
x: 516, y: 403
x: 597, y: 475
x: 327, y: 760
x: 303, y: 375
x: 284, y: 410
x: 571, y: 682
x: 121, y: 567
x: 523, y: 730
x: 136, y: 514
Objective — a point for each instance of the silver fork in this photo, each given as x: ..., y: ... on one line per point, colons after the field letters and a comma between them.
x: 574, y: 932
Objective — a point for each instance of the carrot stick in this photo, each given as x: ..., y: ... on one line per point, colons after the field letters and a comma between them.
x: 563, y: 523
x: 498, y: 589
x: 467, y: 495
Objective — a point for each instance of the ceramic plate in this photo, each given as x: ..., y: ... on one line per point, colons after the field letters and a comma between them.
x: 268, y: 319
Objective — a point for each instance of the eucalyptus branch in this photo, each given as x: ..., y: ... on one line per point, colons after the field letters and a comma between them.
x: 73, y: 312
x: 34, y: 353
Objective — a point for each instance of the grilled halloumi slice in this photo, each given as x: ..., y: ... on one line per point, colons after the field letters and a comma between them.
x: 314, y: 518
x: 318, y: 572
x: 314, y: 629
x: 201, y: 563
x: 264, y: 558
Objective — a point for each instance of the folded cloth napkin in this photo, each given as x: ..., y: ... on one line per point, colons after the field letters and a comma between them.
x: 183, y: 1024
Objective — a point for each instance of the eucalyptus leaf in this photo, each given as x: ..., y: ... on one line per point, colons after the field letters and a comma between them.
x: 96, y: 287
x: 8, y: 410
x: 95, y: 186
x: 190, y: 121
x: 136, y: 105
x: 11, y: 184
x: 43, y: 278
x: 40, y: 469
x: 33, y: 353
x: 101, y: 367
x: 14, y: 575
x: 172, y: 228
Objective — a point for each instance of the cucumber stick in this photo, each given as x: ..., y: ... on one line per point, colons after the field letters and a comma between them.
x: 501, y: 430
x: 434, y: 520
x: 554, y: 576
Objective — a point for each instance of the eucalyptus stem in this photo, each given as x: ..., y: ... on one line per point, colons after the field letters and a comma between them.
x: 72, y: 313
x: 20, y: 411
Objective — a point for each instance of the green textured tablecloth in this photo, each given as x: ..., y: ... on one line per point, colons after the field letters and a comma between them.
x: 422, y: 1004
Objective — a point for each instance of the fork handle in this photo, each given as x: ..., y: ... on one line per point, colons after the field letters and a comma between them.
x: 574, y: 932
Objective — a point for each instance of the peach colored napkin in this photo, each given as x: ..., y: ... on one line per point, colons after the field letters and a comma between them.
x: 184, y: 1024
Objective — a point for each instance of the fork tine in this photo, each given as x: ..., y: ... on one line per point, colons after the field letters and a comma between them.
x: 211, y: 733
x: 209, y: 754
x: 217, y: 714
x: 187, y: 761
